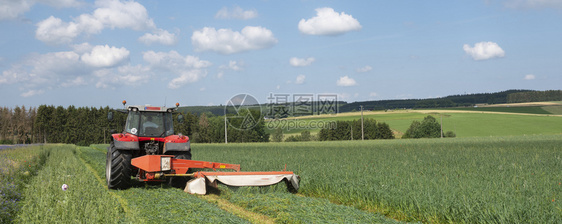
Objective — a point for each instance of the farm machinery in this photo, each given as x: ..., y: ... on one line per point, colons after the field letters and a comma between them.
x: 150, y: 151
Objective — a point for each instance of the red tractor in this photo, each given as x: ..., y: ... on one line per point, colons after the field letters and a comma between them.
x: 148, y: 150
x: 149, y: 130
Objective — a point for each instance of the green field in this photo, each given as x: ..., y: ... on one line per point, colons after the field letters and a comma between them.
x: 471, y: 180
x: 501, y: 169
x: 522, y: 110
x: 463, y: 124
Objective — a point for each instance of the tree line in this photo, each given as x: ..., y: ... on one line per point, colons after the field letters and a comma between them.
x: 463, y: 100
x: 89, y: 125
x: 16, y: 125
x: 535, y: 96
x: 351, y: 130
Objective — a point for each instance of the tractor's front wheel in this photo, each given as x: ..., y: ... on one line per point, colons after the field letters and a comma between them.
x: 118, y: 168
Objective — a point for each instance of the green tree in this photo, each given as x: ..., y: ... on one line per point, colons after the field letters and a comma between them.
x: 384, y: 131
x: 277, y: 135
x: 428, y: 128
x: 305, y: 136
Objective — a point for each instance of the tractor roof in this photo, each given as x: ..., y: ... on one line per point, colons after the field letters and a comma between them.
x: 149, y: 108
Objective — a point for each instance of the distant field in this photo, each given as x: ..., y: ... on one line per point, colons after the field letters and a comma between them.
x: 523, y: 110
x: 464, y: 124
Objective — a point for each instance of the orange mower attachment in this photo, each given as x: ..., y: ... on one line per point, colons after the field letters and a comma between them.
x: 158, y: 167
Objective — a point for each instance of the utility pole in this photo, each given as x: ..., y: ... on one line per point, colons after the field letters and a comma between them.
x: 225, y: 130
x: 441, y: 125
x: 362, y: 132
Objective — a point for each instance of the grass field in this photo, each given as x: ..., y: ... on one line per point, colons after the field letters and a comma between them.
x: 88, y: 201
x: 469, y: 180
x: 17, y: 168
x: 510, y: 179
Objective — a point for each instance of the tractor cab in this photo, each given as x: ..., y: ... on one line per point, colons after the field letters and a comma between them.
x: 149, y: 121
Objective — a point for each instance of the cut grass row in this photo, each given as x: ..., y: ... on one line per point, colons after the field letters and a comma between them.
x: 470, y: 180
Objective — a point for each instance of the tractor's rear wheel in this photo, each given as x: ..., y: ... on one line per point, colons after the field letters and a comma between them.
x: 118, y: 168
x: 179, y: 182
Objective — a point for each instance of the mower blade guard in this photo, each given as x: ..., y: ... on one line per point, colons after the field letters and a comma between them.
x: 240, y: 179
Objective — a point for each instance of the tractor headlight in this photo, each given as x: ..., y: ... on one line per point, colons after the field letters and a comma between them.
x: 165, y: 163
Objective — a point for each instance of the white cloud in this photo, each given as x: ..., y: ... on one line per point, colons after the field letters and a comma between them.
x: 61, y: 3
x: 12, y: 9
x: 300, y: 79
x: 69, y: 68
x: 484, y: 51
x: 346, y: 81
x: 46, y: 69
x: 232, y: 65
x: 186, y: 77
x: 122, y: 75
x: 55, y: 31
x: 373, y: 94
x: 109, y: 14
x: 105, y: 56
x: 301, y: 62
x: 189, y: 69
x: 364, y: 69
x: 173, y: 60
x: 329, y: 22
x: 117, y: 14
x: 82, y: 48
x: 226, y: 41
x: 159, y: 36
x: 236, y: 13
x: 533, y: 4
x: 31, y: 93
x: 529, y: 77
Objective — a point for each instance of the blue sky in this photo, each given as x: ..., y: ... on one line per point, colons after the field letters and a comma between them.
x: 98, y: 53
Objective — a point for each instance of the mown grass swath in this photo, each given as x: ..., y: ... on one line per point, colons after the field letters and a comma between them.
x: 472, y: 180
x: 283, y: 207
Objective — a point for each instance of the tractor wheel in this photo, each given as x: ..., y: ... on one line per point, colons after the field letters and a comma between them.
x: 118, y: 168
x: 179, y: 182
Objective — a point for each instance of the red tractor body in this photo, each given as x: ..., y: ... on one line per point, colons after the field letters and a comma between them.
x: 148, y: 130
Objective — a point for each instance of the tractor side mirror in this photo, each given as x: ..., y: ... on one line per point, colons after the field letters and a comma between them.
x: 110, y: 116
x: 180, y: 119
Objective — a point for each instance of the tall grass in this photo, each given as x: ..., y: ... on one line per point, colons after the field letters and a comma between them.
x: 85, y: 201
x: 17, y: 167
x: 470, y: 180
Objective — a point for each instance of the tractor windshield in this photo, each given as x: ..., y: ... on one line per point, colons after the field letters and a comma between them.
x: 149, y: 124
